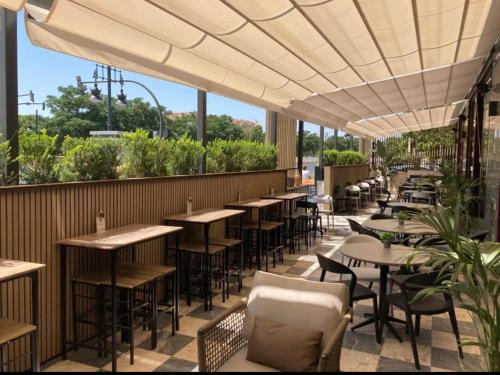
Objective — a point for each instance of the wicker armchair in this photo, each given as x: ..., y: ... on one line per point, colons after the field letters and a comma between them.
x: 223, y: 339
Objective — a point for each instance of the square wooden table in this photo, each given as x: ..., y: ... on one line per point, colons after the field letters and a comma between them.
x: 13, y: 270
x: 259, y: 205
x: 113, y: 241
x: 206, y: 218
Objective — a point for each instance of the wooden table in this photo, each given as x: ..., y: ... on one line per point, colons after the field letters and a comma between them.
x: 13, y: 270
x: 384, y: 258
x: 423, y: 173
x: 393, y: 226
x: 259, y: 205
x: 113, y: 241
x: 206, y: 217
x: 418, y: 206
x: 290, y: 198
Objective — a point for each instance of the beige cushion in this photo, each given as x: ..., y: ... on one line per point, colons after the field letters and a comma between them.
x: 293, y: 301
x: 238, y: 363
x: 284, y: 347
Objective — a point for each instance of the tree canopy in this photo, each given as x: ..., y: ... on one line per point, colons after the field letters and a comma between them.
x: 76, y: 115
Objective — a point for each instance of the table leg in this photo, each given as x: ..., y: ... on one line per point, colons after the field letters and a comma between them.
x: 291, y: 230
x: 206, y: 287
x: 113, y: 311
x: 259, y: 239
x: 63, y: 276
x: 384, y: 271
x: 177, y: 279
x: 35, y: 354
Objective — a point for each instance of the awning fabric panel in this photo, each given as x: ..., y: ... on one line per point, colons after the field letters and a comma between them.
x: 329, y: 62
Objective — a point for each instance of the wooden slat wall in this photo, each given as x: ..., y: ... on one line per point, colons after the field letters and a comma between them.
x: 33, y: 218
x: 287, y: 139
x: 343, y: 175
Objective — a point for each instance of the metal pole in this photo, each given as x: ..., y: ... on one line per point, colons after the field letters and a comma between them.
x: 8, y: 85
x: 274, y: 128
x: 201, y: 126
x: 36, y: 120
x: 321, y: 145
x: 300, y: 148
x: 109, y: 97
x: 335, y: 136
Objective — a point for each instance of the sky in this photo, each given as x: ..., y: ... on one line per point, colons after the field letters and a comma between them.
x: 43, y: 71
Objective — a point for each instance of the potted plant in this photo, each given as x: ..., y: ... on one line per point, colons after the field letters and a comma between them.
x: 387, y: 239
x: 402, y: 217
x: 475, y: 275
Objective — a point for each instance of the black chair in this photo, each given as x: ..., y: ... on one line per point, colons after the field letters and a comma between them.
x: 382, y: 205
x: 357, y: 227
x: 388, y: 193
x: 380, y: 217
x: 357, y: 292
x: 429, y: 242
x: 409, y: 210
x: 481, y: 235
x: 434, y: 305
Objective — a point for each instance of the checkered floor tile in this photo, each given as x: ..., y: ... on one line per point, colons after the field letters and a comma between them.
x: 436, y: 344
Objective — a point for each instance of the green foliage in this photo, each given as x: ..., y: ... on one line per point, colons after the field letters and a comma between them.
x: 236, y: 156
x: 330, y: 157
x: 37, y: 158
x: 5, y: 160
x: 386, y: 236
x: 475, y: 272
x: 341, y: 143
x: 351, y: 158
x: 186, y: 156
x: 89, y: 159
x: 138, y: 160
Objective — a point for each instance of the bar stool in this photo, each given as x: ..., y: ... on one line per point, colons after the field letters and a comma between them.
x: 10, y: 332
x: 272, y: 241
x: 195, y: 273
x: 233, y: 247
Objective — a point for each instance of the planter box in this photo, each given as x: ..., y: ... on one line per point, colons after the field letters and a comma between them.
x: 342, y: 175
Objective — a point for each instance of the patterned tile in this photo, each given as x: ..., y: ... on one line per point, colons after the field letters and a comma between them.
x: 436, y: 343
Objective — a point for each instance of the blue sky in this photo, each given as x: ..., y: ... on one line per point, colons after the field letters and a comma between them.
x: 43, y: 71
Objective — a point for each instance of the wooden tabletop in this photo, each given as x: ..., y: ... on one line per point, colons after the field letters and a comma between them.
x: 118, y: 238
x: 254, y: 203
x: 205, y: 216
x: 286, y: 196
x: 418, y: 206
x: 376, y: 254
x: 10, y: 269
x: 393, y: 226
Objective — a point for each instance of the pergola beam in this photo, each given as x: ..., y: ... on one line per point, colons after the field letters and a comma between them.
x: 8, y: 85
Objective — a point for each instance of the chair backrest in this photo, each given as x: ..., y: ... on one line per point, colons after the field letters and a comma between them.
x: 352, y: 188
x: 480, y: 236
x: 409, y: 210
x: 313, y: 206
x: 388, y: 193
x: 429, y: 241
x: 382, y: 205
x: 291, y: 300
x: 356, y: 227
x: 423, y: 280
x: 380, y: 217
x: 330, y: 265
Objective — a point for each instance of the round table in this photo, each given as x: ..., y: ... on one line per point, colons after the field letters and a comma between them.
x: 370, y: 252
x: 418, y: 206
x: 393, y: 226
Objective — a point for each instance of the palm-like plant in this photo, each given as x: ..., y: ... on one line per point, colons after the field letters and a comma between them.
x: 475, y: 276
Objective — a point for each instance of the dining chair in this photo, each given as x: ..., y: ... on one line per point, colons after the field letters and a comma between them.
x: 433, y: 305
x: 357, y: 292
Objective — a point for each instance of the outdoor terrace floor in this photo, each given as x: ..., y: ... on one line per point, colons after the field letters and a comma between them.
x: 436, y: 343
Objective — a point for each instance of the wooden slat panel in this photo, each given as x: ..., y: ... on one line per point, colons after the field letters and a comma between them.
x: 33, y: 218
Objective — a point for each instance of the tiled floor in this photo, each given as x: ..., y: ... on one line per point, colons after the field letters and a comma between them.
x: 436, y: 343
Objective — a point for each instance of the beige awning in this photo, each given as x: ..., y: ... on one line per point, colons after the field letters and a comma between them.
x: 330, y: 62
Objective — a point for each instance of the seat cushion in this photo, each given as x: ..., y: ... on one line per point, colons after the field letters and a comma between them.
x: 238, y: 363
x: 269, y: 345
x: 292, y: 300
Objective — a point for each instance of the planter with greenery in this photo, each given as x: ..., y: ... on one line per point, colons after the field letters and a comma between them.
x: 387, y: 239
x: 474, y: 266
x: 339, y: 158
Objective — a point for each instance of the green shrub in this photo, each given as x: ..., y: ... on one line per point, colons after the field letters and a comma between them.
x: 186, y: 156
x: 37, y: 158
x: 351, y: 158
x: 237, y: 156
x: 5, y: 160
x: 330, y: 157
x: 89, y: 159
x: 139, y: 154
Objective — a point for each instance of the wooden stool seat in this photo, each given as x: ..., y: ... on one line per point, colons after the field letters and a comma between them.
x: 226, y: 242
x: 199, y: 247
x: 152, y: 270
x: 266, y: 227
x: 11, y: 330
x: 125, y: 279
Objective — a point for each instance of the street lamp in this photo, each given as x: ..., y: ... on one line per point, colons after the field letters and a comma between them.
x: 32, y: 102
x: 122, y: 98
